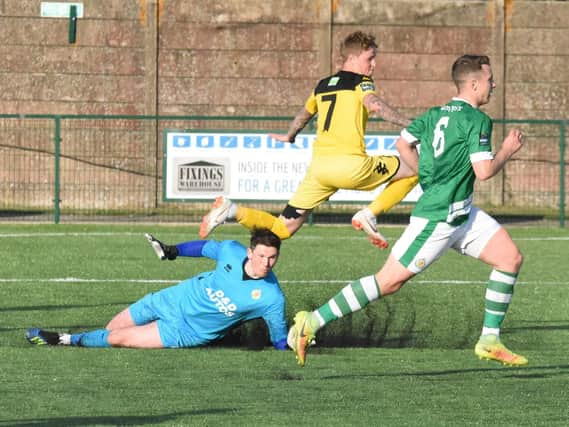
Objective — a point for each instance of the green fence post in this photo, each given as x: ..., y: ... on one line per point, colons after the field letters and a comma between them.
x: 562, y: 143
x: 57, y: 141
x: 72, y: 24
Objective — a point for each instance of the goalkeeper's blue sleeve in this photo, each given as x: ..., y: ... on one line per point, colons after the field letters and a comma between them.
x: 281, y: 344
x: 192, y: 248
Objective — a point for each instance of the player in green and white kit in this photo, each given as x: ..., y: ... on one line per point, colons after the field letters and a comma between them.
x: 455, y: 150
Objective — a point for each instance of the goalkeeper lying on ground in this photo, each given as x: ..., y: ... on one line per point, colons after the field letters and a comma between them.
x: 198, y: 310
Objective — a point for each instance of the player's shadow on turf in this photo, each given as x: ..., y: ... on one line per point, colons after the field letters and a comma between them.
x: 120, y: 420
x: 541, y: 326
x: 520, y: 372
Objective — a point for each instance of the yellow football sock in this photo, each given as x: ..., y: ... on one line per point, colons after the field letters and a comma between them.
x: 254, y: 218
x: 279, y: 228
x: 392, y: 194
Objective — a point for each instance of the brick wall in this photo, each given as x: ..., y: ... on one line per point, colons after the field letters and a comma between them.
x: 262, y: 58
x: 251, y: 58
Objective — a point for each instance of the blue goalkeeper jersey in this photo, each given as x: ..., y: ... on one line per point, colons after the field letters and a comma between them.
x: 213, y: 302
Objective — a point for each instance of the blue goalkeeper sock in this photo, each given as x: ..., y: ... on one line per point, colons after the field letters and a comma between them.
x: 98, y: 338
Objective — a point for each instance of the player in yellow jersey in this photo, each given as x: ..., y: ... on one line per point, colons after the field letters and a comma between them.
x: 343, y: 102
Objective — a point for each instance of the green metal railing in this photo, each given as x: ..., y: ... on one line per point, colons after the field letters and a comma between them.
x: 562, y: 126
x: 110, y: 167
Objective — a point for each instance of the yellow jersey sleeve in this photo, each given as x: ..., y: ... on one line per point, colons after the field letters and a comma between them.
x: 311, y: 105
x: 367, y: 86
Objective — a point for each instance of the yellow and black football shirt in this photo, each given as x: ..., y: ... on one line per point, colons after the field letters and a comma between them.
x: 342, y: 117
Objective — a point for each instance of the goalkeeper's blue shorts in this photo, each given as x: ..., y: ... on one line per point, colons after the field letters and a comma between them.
x: 174, y: 331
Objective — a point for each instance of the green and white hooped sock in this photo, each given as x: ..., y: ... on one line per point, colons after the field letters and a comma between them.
x: 498, y: 298
x: 350, y: 299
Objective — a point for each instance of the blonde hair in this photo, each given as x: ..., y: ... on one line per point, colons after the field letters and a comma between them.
x: 356, y: 43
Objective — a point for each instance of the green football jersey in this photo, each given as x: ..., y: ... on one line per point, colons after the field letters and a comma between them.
x: 452, y: 137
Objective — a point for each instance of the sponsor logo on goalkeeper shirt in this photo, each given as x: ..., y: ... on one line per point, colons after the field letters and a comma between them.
x: 223, y: 303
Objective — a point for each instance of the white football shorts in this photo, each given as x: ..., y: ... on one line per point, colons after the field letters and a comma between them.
x: 424, y: 241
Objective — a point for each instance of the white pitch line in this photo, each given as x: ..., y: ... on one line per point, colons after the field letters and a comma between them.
x: 79, y: 280
x: 67, y: 234
x: 226, y: 236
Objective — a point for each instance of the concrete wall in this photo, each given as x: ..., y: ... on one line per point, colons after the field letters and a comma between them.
x: 245, y: 57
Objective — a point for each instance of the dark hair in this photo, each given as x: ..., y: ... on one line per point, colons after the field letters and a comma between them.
x: 465, y: 65
x: 356, y: 42
x: 264, y: 236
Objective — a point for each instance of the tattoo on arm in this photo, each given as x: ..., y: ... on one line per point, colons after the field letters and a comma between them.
x: 376, y: 105
x: 298, y: 123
